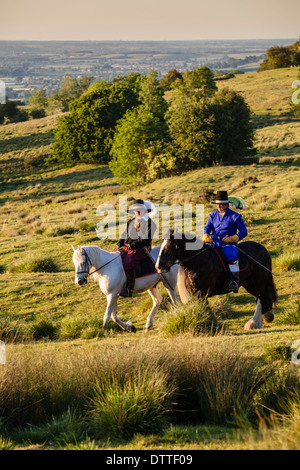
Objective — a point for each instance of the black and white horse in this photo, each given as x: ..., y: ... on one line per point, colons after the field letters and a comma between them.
x: 203, y: 272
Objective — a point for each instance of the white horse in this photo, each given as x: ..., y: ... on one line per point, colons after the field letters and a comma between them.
x: 107, y: 268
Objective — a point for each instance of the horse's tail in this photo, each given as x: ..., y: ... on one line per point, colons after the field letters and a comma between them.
x: 181, y: 287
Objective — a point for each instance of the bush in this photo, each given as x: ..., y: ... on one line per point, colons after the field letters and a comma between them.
x: 37, y: 265
x: 43, y: 329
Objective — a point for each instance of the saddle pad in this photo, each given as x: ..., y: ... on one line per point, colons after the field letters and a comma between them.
x: 243, y: 260
x: 145, y: 268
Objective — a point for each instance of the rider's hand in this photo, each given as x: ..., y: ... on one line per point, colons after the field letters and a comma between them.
x: 207, y: 239
x: 231, y: 239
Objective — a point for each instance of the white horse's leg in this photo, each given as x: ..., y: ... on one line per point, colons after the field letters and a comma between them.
x: 157, y: 298
x: 110, y: 308
x: 256, y: 321
x: 127, y: 326
x: 111, y: 312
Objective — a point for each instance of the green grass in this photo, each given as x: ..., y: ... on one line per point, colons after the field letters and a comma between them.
x: 57, y: 354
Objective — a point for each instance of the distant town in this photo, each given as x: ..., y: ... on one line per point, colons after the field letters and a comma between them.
x: 26, y: 66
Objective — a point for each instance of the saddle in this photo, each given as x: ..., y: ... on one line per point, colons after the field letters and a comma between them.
x: 145, y: 268
x: 223, y: 263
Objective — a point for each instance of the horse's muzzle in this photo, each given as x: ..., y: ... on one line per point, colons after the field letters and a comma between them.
x: 80, y: 282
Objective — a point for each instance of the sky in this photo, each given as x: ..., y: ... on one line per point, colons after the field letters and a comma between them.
x: 149, y: 20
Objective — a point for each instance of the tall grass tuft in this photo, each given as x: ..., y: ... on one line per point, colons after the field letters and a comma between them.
x: 138, y: 405
x: 195, y: 317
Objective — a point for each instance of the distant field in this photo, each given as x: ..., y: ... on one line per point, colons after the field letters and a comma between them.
x: 46, y: 209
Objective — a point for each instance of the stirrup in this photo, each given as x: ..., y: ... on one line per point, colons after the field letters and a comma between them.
x: 233, y: 286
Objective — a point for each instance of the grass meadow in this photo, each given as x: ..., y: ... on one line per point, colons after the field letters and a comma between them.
x: 197, y: 380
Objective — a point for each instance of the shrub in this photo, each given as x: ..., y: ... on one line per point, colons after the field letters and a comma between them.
x: 37, y: 265
x: 43, y: 329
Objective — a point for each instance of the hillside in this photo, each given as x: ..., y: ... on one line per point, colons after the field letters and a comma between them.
x: 46, y: 209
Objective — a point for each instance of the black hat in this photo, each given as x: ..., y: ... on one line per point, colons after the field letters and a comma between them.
x: 222, y: 197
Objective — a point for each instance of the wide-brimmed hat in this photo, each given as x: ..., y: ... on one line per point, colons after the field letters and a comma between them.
x: 221, y: 198
x: 142, y: 205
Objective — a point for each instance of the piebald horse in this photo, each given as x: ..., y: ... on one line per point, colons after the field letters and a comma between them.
x: 203, y: 273
x: 107, y: 269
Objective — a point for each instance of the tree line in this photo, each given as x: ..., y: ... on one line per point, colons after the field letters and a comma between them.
x: 280, y: 57
x: 145, y: 128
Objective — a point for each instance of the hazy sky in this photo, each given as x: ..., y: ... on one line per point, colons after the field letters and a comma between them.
x: 148, y: 19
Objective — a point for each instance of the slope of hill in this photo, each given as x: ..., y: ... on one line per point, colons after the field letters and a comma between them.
x: 45, y: 209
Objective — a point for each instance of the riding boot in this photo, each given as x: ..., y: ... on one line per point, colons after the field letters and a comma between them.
x: 131, y: 275
x: 235, y: 276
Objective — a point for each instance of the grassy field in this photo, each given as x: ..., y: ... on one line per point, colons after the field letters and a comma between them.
x: 61, y: 370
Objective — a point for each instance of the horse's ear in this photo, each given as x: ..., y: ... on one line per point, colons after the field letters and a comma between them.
x: 74, y: 249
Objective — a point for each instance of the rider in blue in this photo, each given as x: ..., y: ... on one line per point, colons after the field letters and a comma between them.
x: 226, y: 228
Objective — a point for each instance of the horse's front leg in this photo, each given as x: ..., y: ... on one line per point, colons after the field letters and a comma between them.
x: 111, y: 312
x: 256, y: 321
x: 110, y: 308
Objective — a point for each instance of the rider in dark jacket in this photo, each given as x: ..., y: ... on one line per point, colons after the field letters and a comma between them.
x: 137, y: 238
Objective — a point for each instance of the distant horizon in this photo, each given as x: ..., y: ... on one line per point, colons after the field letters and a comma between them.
x: 152, y: 40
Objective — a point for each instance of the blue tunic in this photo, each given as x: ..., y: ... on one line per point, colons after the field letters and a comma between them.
x: 219, y: 227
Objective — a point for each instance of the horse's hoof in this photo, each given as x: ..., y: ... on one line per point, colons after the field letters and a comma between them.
x: 147, y: 329
x: 251, y: 325
x: 268, y: 317
x: 131, y: 327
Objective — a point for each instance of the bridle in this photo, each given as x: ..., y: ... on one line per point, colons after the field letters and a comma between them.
x: 170, y: 263
x: 88, y: 264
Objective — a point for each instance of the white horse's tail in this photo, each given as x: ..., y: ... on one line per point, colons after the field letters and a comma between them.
x: 182, y: 290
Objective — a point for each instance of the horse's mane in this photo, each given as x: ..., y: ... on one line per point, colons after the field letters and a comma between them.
x: 186, y: 238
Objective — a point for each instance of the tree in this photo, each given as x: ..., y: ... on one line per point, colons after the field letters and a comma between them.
x: 86, y: 133
x: 280, y: 57
x: 207, y: 130
x: 191, y: 124
x: 10, y: 112
x: 135, y: 133
x: 38, y: 103
x: 201, y: 79
x: 151, y: 95
x: 71, y: 89
x: 169, y: 79
x: 233, y: 133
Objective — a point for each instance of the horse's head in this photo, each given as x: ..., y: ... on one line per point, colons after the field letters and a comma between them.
x: 169, y: 252
x: 82, y: 265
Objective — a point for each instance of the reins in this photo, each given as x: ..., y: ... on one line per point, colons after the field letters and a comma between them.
x: 90, y: 262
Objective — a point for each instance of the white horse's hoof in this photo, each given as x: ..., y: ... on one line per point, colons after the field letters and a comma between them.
x: 147, y: 329
x: 131, y: 326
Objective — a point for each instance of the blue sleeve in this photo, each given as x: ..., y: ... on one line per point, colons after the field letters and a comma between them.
x: 209, y: 225
x: 243, y: 232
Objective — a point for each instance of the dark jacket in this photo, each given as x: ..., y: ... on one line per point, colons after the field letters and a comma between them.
x: 138, y: 234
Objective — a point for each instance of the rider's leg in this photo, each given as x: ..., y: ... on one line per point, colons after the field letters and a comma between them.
x: 231, y: 255
x: 131, y: 275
